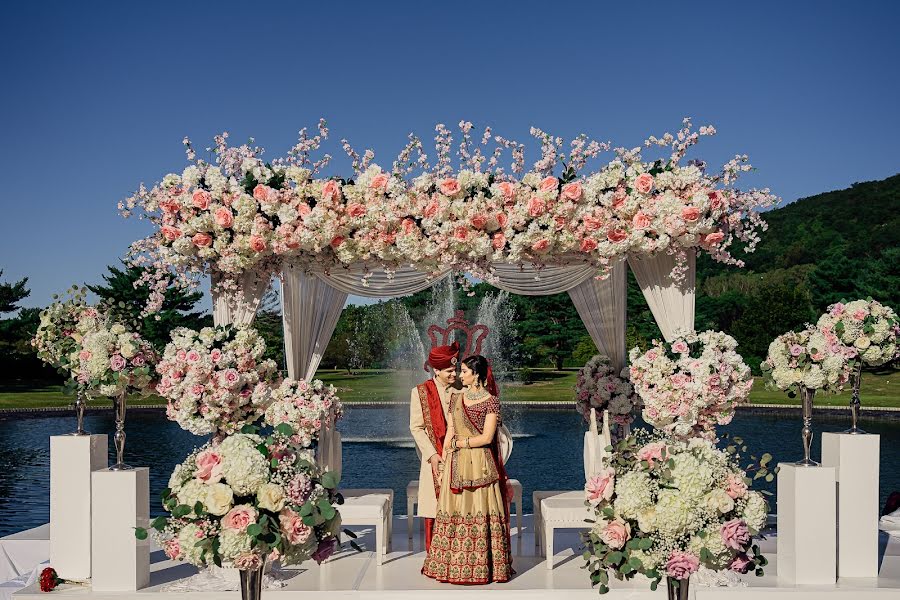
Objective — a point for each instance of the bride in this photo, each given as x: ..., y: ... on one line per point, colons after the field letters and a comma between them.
x: 470, y: 542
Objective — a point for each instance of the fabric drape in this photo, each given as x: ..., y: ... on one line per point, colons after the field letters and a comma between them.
x: 377, y: 283
x: 238, y: 307
x: 601, y: 305
x: 671, y: 302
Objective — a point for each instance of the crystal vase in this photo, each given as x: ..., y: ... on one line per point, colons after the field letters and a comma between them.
x: 677, y: 588
x: 79, y: 415
x: 119, y: 405
x: 251, y: 582
x: 854, y: 401
x: 806, y: 396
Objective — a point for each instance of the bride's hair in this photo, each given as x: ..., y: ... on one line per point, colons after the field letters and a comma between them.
x: 479, y: 366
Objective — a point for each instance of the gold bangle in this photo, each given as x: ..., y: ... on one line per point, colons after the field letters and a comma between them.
x: 468, y: 443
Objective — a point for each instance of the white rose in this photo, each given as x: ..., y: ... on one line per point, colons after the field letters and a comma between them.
x: 862, y: 342
x: 219, y: 499
x: 718, y: 500
x: 270, y: 497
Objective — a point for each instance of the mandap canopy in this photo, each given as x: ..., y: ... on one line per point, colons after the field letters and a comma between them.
x: 556, y: 228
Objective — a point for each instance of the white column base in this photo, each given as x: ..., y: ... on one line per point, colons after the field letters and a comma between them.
x: 72, y: 458
x: 807, y: 524
x: 121, y: 502
x: 855, y: 459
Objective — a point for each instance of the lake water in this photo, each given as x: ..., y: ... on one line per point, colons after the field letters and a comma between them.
x: 379, y: 453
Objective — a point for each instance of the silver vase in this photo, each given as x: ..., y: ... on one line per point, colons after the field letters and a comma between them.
x: 806, y: 396
x: 119, y: 405
x: 854, y: 401
x: 79, y: 414
x: 677, y: 588
x: 251, y: 582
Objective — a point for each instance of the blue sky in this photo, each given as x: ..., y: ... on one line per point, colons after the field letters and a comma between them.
x: 97, y: 96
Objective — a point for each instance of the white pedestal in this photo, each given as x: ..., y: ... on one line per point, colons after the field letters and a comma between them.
x: 855, y: 459
x: 121, y: 502
x: 807, y: 524
x: 72, y: 458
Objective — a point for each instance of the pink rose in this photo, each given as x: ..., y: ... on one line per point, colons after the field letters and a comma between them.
x: 193, y: 356
x: 356, y: 210
x: 172, y: 548
x: 181, y: 355
x: 231, y: 377
x: 449, y: 186
x: 117, y: 363
x: 409, y: 226
x: 84, y: 355
x: 640, y: 220
x: 502, y: 219
x: 652, y: 452
x: 548, y: 184
x: 736, y: 487
x: 170, y: 233
x: 690, y: 213
x: 572, y: 191
x: 261, y: 192
x: 202, y: 240
x: 387, y: 238
x: 209, y: 466
x: 796, y: 350
x: 680, y: 347
x: 293, y: 528
x: 201, y: 199
x: 588, y: 245
x: 859, y: 314
x: 430, y: 209
x: 499, y: 240
x: 461, y: 233
x: 257, y: 244
x: 331, y: 191
x: 714, y: 238
x: 599, y: 488
x: 479, y: 221
x: 224, y: 218
x: 644, y: 183
x: 541, y: 245
x: 536, y: 206
x: 379, y: 182
x: 715, y: 199
x: 507, y: 189
x: 303, y: 209
x: 740, y: 563
x: 215, y: 355
x: 248, y: 561
x: 239, y: 517
x: 735, y: 534
x: 138, y: 360
x: 615, y: 534
x: 837, y: 310
x: 616, y: 235
x: 337, y: 241
x: 681, y: 564
x: 592, y: 223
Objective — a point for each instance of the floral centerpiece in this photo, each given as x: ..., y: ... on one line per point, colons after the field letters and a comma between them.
x: 665, y: 505
x: 247, y: 499
x: 215, y: 379
x: 305, y: 406
x: 57, y: 338
x: 692, y: 384
x: 600, y: 387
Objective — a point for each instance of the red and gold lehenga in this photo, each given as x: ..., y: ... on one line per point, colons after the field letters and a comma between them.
x: 470, y: 543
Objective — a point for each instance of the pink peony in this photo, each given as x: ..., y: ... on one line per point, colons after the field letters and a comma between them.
x: 356, y: 210
x: 588, y: 245
x: 257, y: 244
x: 499, y: 240
x: 117, y: 363
x: 331, y: 191
x: 224, y: 217
x: 615, y: 534
x: 640, y: 220
x: 239, y: 517
x: 736, y: 487
x: 201, y: 199
x: 548, y: 184
x: 681, y: 564
x: 170, y: 233
x: 572, y: 191
x: 379, y: 182
x: 652, y: 452
x: 202, y: 240
x: 209, y: 466
x: 616, y: 235
x: 449, y: 186
x: 536, y: 206
x: 735, y: 534
x: 293, y: 527
x: 541, y: 245
x: 740, y: 563
x: 644, y: 183
x: 599, y: 488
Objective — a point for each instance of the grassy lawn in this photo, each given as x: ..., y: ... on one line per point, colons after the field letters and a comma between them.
x: 548, y: 385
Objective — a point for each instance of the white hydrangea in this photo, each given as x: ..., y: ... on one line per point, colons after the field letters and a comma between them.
x: 232, y: 543
x: 633, y: 493
x: 693, y: 477
x: 243, y: 466
x: 675, y: 513
x: 755, y: 512
x: 188, y: 538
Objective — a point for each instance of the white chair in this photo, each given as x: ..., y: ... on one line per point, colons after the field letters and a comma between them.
x: 370, y: 507
x: 565, y: 511
x: 537, y: 497
x: 515, y: 487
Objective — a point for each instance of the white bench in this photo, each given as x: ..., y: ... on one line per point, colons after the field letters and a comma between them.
x: 370, y: 507
x: 412, y: 498
x: 536, y: 498
x: 564, y: 511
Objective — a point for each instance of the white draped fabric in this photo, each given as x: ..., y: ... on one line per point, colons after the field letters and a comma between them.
x: 595, y: 444
x: 238, y: 307
x: 310, y: 310
x: 377, y: 283
x: 529, y: 281
x: 671, y: 302
x: 601, y: 305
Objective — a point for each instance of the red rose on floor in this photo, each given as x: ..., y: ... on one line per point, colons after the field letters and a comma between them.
x: 49, y: 579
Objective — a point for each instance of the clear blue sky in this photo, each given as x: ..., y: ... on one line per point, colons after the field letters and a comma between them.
x: 98, y: 95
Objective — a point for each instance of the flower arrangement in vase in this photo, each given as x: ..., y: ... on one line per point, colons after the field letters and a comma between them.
x: 599, y: 387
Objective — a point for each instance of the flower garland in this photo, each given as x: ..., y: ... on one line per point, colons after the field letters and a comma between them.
x: 242, y: 213
x: 215, y: 380
x: 664, y: 506
x: 866, y: 325
x: 600, y: 388
x: 813, y: 358
x: 692, y: 384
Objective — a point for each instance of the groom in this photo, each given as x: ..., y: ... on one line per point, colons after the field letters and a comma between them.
x: 429, y: 406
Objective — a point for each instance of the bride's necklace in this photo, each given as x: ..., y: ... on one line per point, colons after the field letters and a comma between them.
x: 477, y: 394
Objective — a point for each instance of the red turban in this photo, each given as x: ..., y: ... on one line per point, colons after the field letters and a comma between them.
x: 444, y: 357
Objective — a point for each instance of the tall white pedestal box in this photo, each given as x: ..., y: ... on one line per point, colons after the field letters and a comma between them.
x: 72, y: 459
x: 121, y: 503
x: 855, y: 459
x: 807, y: 523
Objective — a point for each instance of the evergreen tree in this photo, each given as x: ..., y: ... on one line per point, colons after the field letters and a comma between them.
x: 11, y: 293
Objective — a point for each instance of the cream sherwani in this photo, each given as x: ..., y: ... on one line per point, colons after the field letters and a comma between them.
x: 427, y: 505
